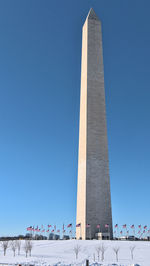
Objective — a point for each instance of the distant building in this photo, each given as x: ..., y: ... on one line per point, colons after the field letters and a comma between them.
x: 39, y: 237
x: 53, y: 236
x: 66, y: 237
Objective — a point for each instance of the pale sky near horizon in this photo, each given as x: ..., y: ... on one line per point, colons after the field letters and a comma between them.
x: 40, y: 63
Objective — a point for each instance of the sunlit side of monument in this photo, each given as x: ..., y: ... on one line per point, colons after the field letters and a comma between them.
x: 93, y: 192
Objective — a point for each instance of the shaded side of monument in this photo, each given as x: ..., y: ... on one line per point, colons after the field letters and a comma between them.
x: 94, y: 215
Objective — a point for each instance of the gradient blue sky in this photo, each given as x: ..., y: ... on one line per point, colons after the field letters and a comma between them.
x: 40, y: 57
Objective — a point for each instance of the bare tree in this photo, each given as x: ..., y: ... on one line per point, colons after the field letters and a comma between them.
x: 26, y: 247
x: 18, y: 246
x: 98, y: 250
x: 14, y: 246
x: 30, y: 246
x: 77, y: 250
x: 4, y: 245
x: 102, y: 249
x: 116, y: 250
x: 132, y: 248
x: 94, y: 257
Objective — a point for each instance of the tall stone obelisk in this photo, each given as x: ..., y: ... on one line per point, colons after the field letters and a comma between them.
x: 93, y: 192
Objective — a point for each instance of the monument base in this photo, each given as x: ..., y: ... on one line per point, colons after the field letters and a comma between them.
x: 102, y: 236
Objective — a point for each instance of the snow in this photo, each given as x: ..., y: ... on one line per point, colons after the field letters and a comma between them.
x: 61, y: 252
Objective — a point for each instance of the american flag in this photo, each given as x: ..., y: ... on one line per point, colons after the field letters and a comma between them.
x: 49, y: 225
x: 139, y: 226
x: 78, y: 225
x: 145, y: 227
x: 58, y: 231
x: 88, y: 225
x: 139, y: 232
x: 70, y: 232
x: 64, y: 231
x: 120, y: 232
x: 106, y: 225
x: 116, y: 225
x: 52, y: 231
x: 132, y: 226
x: 43, y: 230
x: 29, y: 228
x: 98, y: 226
x: 124, y: 226
x: 143, y: 231
x: 36, y: 229
x: 69, y: 225
x: 47, y: 231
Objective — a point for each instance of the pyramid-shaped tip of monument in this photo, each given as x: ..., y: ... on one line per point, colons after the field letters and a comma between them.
x: 92, y: 15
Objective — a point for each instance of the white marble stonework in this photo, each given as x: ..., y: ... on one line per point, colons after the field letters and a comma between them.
x: 93, y: 193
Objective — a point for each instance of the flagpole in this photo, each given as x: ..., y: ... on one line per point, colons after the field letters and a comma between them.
x: 108, y: 233
x: 71, y: 234
x: 126, y: 231
x: 63, y: 232
x: 90, y: 232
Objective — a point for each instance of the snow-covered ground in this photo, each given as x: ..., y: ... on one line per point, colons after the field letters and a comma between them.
x: 61, y: 252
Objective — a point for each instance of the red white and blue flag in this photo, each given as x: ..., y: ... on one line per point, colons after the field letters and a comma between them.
x: 49, y: 225
x: 29, y: 228
x: 69, y: 225
x: 78, y: 225
x: 116, y: 225
x: 124, y: 226
x: 106, y: 225
x: 88, y: 226
x: 132, y: 226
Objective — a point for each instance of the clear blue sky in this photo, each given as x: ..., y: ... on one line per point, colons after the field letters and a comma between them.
x: 40, y: 56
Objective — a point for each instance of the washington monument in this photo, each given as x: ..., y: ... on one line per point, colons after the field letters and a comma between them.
x: 93, y: 192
